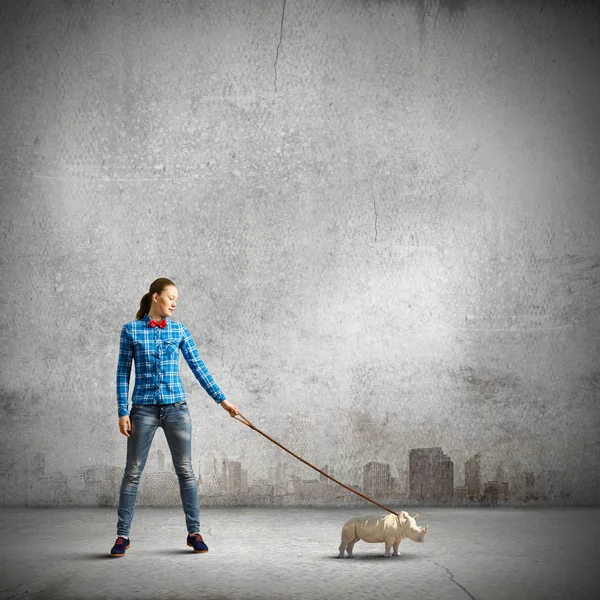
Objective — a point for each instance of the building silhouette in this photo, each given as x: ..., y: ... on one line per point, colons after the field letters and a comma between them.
x: 473, y: 478
x: 232, y: 471
x: 431, y: 475
x: 551, y: 486
x: 280, y: 473
x: 376, y: 479
x: 503, y: 484
x: 500, y: 474
x: 39, y: 465
x: 491, y: 492
x: 524, y: 487
x: 101, y: 484
x: 198, y: 475
x: 504, y: 490
x: 460, y: 495
x: 329, y: 470
x: 159, y: 488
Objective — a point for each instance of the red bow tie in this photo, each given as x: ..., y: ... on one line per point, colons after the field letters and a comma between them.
x: 161, y: 324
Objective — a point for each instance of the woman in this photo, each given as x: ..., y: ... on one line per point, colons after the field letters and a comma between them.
x: 158, y: 400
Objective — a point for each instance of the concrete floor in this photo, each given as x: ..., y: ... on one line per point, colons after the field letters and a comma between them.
x: 477, y: 553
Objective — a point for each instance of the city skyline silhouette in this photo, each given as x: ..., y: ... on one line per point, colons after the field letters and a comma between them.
x: 429, y: 481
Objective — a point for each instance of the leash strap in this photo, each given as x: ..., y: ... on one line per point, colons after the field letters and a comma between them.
x: 246, y: 422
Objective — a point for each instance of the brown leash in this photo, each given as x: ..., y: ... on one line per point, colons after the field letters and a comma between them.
x: 247, y: 422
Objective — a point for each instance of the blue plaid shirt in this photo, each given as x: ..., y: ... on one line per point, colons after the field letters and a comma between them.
x: 156, y: 353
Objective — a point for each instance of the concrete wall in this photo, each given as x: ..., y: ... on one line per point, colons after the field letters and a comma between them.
x: 383, y: 219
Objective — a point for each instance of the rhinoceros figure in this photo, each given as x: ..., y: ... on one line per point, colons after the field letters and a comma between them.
x: 390, y: 530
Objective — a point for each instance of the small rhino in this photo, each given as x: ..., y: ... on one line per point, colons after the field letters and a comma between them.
x: 390, y: 529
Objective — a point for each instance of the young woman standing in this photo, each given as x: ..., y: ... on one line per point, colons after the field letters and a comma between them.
x: 153, y: 340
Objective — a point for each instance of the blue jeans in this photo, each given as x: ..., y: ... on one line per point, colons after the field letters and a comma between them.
x: 176, y: 421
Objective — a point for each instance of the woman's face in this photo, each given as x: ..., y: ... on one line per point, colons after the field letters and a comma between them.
x: 167, y: 301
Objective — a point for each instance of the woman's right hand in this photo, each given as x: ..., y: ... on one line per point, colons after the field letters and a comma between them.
x: 125, y: 425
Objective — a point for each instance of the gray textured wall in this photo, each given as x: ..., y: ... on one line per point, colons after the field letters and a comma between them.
x: 383, y: 219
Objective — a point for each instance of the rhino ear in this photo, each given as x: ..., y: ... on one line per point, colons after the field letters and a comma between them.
x: 416, y: 516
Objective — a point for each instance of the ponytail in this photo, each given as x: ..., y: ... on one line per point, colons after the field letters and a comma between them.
x: 144, y: 306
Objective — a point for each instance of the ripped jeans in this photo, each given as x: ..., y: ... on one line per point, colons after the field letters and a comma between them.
x: 176, y: 421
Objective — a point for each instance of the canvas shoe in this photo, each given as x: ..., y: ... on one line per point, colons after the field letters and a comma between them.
x: 195, y: 541
x: 120, y: 546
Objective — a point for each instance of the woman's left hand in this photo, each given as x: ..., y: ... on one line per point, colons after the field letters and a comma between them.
x: 232, y: 409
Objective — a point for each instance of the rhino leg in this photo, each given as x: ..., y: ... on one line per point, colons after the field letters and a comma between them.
x: 396, y: 545
x: 388, y: 546
x: 351, y: 546
x: 341, y: 549
x: 348, y: 534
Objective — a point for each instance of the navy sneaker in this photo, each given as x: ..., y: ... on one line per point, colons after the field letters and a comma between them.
x: 195, y: 541
x: 120, y: 546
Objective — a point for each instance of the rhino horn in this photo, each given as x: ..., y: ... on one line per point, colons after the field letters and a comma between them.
x: 416, y: 516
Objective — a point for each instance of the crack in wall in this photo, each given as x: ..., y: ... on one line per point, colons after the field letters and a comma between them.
x: 279, y: 44
x: 375, y: 209
x: 464, y: 589
x: 427, y: 11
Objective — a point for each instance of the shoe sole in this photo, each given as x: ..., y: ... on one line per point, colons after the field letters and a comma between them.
x: 198, y: 551
x: 126, y: 548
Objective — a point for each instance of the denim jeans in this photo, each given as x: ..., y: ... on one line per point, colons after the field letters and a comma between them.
x: 176, y: 421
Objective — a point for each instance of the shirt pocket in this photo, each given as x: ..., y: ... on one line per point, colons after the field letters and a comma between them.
x: 170, y: 347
